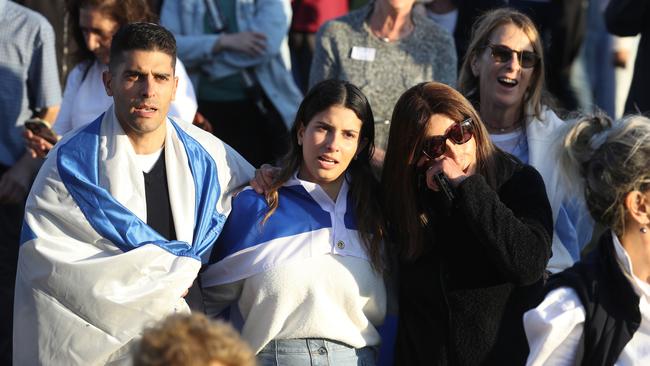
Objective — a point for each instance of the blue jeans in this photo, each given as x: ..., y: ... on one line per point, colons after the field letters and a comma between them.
x: 314, y: 352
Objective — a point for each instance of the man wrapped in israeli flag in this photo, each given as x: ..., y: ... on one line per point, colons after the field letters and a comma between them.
x: 121, y: 216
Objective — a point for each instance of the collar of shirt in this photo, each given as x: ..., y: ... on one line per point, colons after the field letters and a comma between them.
x: 641, y: 287
x: 344, y: 240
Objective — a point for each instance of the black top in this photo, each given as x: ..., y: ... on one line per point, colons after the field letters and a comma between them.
x: 612, y: 314
x: 462, y: 301
x: 159, y: 211
x: 629, y: 18
x: 468, y: 12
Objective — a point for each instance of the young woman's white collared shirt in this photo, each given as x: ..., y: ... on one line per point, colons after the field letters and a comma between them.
x: 328, y: 290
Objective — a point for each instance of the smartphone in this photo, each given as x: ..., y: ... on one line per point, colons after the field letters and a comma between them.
x: 444, y: 186
x: 42, y: 129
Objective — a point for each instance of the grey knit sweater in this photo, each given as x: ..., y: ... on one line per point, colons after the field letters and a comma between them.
x: 427, y: 54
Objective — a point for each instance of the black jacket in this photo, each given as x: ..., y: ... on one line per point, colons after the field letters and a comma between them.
x: 629, y: 18
x: 468, y: 12
x: 612, y: 312
x: 462, y: 301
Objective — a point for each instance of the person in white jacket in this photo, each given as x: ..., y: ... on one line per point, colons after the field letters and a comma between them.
x: 503, y: 75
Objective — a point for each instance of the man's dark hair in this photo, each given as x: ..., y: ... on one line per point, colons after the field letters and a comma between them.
x: 144, y: 37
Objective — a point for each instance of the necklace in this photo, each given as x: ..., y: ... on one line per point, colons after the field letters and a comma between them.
x: 500, y: 129
x: 405, y: 30
x: 387, y: 39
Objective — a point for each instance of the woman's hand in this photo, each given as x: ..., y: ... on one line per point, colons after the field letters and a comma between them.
x: 449, y: 168
x: 37, y: 146
x: 263, y: 178
x: 250, y: 43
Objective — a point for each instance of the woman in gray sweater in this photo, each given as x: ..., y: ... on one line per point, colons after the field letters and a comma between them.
x: 384, y: 48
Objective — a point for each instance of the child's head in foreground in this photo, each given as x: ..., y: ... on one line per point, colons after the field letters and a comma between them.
x: 192, y: 340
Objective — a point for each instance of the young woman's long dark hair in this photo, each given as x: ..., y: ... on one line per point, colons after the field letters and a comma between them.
x: 364, y: 187
x: 406, y: 213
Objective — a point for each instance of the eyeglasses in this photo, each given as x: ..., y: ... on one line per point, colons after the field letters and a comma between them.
x: 459, y: 133
x: 527, y: 59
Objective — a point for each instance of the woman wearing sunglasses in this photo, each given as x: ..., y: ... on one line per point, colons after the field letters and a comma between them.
x: 469, y: 265
x: 301, y: 265
x: 503, y: 76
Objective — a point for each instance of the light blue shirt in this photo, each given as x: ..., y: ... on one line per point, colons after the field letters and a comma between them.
x: 273, y: 68
x: 29, y: 79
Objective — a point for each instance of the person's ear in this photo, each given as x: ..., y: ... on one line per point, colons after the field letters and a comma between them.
x: 107, y: 78
x: 175, y: 87
x: 638, y: 207
x: 474, y: 65
x: 300, y: 134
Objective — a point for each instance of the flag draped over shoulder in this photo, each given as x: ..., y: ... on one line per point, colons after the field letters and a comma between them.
x: 306, y: 223
x: 91, y: 273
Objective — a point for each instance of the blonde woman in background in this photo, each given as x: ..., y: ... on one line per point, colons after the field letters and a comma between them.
x: 503, y: 76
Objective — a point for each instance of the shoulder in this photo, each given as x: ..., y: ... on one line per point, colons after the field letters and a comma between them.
x: 247, y: 201
x: 525, y: 172
x: 80, y: 70
x: 342, y: 25
x: 523, y: 175
x: 582, y: 277
x: 205, y: 139
x: 430, y: 30
x: 29, y: 21
x: 547, y: 118
x: 524, y: 182
x: 219, y: 150
x: 559, y: 301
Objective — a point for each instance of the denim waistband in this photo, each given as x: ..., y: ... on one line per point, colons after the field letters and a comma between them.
x: 314, y: 351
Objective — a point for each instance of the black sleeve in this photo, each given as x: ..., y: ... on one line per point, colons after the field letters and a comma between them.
x: 627, y: 17
x: 515, y: 226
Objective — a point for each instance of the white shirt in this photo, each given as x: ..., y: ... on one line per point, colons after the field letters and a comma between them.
x: 514, y: 143
x: 85, y: 98
x: 554, y: 328
x: 333, y: 293
x: 147, y: 161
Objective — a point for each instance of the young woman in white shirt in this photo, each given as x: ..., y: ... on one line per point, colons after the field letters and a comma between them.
x: 299, y: 268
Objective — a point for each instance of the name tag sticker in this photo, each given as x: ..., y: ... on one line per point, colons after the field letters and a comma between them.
x: 363, y: 53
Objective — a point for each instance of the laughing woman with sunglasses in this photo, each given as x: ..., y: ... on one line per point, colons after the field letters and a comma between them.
x: 503, y: 76
x: 471, y: 262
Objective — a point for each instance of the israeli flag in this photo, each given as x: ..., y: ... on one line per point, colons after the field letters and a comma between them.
x: 91, y: 273
x: 306, y: 223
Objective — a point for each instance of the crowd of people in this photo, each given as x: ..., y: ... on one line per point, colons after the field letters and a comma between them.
x: 431, y: 199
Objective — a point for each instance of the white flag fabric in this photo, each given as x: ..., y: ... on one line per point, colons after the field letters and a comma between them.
x: 91, y: 273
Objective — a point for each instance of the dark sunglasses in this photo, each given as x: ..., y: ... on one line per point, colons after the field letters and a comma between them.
x: 459, y: 133
x: 527, y: 59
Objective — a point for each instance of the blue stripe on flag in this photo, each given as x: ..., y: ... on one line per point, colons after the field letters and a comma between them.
x: 26, y: 233
x: 297, y: 213
x: 77, y: 163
